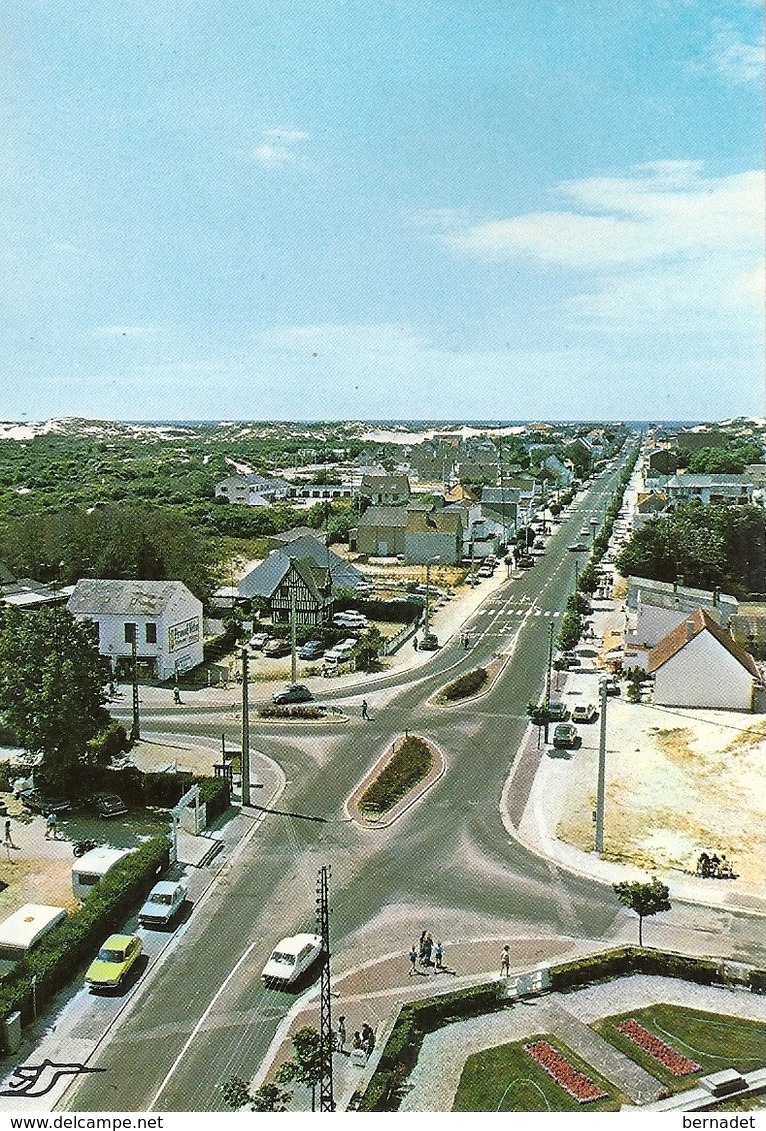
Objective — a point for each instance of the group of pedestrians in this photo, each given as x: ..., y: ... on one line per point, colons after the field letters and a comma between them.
x: 426, y: 953
x: 363, y: 1038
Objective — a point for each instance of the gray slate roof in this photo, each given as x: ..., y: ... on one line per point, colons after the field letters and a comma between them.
x: 123, y: 598
x: 264, y: 579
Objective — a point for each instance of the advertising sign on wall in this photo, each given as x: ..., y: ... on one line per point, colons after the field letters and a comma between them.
x: 183, y: 634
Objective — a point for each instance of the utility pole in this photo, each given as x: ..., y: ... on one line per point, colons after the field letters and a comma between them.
x: 548, y: 677
x: 326, y: 1100
x: 600, y: 788
x: 135, y: 730
x: 245, y: 756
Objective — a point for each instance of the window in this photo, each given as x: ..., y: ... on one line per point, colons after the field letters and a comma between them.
x: 130, y: 633
x: 151, y: 633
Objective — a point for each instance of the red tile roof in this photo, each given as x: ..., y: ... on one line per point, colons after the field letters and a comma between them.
x: 686, y: 631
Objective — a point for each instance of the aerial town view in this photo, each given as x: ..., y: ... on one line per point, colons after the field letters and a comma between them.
x: 382, y: 562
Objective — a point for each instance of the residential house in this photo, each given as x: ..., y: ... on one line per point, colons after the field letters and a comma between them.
x: 308, y: 547
x: 386, y: 490
x: 253, y: 490
x: 708, y: 489
x: 380, y: 532
x: 655, y: 608
x: 698, y: 665
x: 162, y: 618
x: 434, y: 535
x: 296, y: 586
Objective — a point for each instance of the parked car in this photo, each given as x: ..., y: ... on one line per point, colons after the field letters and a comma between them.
x: 565, y: 736
x: 109, y: 805
x: 350, y: 619
x: 40, y: 803
x: 584, y: 713
x: 114, y: 961
x: 485, y: 571
x: 163, y: 903
x: 364, y: 587
x: 292, y: 957
x: 577, y: 548
x: 612, y: 686
x: 525, y: 563
x: 292, y: 693
x: 557, y: 711
x: 311, y: 650
x: 276, y: 647
x: 429, y: 643
x: 259, y: 639
x: 571, y: 659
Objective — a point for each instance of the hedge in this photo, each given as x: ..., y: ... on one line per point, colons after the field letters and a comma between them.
x: 292, y: 711
x: 465, y: 685
x: 634, y: 960
x: 160, y: 790
x: 75, y: 940
x: 409, y: 765
x: 414, y: 1022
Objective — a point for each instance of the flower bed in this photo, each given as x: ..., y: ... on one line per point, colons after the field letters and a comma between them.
x: 579, y: 1086
x: 668, y: 1057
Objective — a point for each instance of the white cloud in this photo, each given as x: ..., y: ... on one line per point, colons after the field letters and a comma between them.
x: 279, y: 148
x: 736, y: 60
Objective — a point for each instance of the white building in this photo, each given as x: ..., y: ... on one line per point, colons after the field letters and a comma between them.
x: 162, y: 617
x: 698, y: 665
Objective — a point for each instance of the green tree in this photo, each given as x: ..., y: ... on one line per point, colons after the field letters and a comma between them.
x: 570, y: 631
x: 52, y: 689
x: 643, y: 898
x: 306, y: 1065
x: 368, y: 648
x: 269, y: 1097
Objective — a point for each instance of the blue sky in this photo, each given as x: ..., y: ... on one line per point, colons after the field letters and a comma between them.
x: 310, y: 210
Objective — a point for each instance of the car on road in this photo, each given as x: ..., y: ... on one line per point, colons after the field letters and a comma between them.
x: 577, y: 548
x: 584, y: 713
x: 276, y: 647
x: 292, y: 693
x: 290, y: 958
x: 163, y: 903
x: 565, y: 736
x: 429, y: 643
x: 116, y: 958
x: 311, y: 650
x: 109, y: 805
x: 259, y: 639
x: 525, y: 562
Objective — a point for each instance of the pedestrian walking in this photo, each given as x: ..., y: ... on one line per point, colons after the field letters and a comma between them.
x: 176, y: 695
x: 428, y: 945
x: 438, y: 955
x: 9, y: 834
x: 466, y: 641
x: 365, y: 713
x: 51, y: 825
x: 368, y: 1038
x: 415, y: 643
x: 341, y: 1033
x: 413, y: 959
x: 422, y: 946
x: 505, y: 961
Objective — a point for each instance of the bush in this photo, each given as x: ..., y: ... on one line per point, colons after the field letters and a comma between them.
x: 465, y: 685
x: 291, y: 711
x: 409, y: 765
x: 633, y: 960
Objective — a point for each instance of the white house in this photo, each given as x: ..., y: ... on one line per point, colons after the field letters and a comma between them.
x: 162, y: 617
x: 698, y: 665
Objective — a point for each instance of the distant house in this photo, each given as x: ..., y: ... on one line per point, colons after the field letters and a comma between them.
x: 342, y: 574
x: 380, y: 531
x: 698, y: 665
x: 709, y: 489
x: 279, y: 541
x: 316, y: 492
x: 431, y: 535
x: 253, y: 490
x: 385, y: 490
x: 163, y: 618
x: 563, y: 475
x: 28, y: 594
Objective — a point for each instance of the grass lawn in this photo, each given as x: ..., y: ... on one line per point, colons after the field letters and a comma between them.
x: 507, y: 1078
x: 713, y: 1041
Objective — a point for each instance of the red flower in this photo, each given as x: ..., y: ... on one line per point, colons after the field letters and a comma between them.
x: 579, y: 1086
x: 679, y: 1065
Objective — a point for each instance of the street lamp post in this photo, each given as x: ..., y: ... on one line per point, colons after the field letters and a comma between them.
x: 427, y: 621
x: 601, y: 783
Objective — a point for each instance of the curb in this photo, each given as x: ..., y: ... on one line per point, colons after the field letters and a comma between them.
x: 406, y: 802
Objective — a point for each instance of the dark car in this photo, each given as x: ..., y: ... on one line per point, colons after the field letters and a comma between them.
x: 577, y: 548
x: 565, y: 736
x: 557, y: 710
x: 429, y: 643
x: 276, y: 648
x: 525, y: 563
x: 311, y: 650
x: 109, y: 805
x: 293, y: 693
x: 39, y: 803
x: 612, y: 687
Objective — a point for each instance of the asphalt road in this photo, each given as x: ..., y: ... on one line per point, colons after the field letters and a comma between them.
x: 447, y: 864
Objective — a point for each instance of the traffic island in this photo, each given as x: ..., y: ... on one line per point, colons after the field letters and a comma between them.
x: 471, y: 685
x: 409, y: 767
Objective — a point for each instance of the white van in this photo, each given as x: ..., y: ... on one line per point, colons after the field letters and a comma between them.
x: 93, y: 866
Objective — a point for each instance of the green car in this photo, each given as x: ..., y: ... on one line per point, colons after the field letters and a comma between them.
x: 116, y: 958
